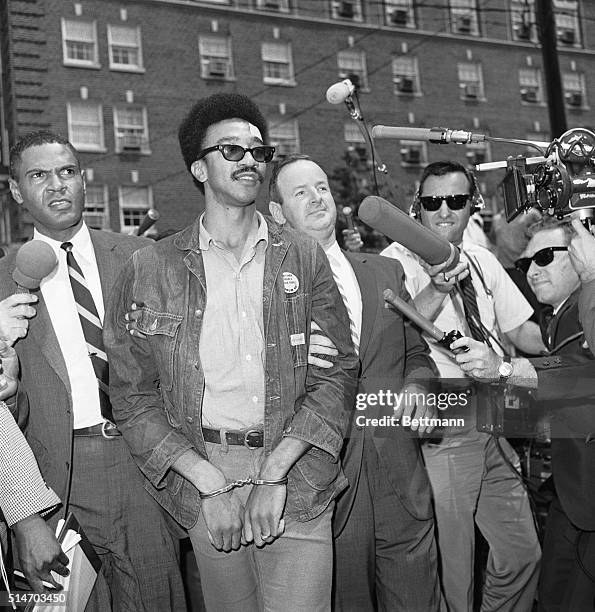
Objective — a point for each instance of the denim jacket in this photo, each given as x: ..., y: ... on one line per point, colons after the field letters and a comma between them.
x: 157, y: 383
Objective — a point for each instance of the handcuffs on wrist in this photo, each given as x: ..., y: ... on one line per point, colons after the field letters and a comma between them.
x: 241, y: 483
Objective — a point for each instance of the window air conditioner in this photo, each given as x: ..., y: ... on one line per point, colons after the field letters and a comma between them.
x: 411, y: 155
x: 405, y: 84
x: 574, y: 98
x: 529, y: 94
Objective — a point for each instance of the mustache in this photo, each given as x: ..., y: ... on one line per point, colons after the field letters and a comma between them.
x: 244, y: 169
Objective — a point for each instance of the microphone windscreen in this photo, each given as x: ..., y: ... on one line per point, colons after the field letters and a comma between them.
x: 400, y: 227
x: 34, y: 261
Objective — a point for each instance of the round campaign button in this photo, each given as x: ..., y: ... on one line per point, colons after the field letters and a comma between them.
x: 290, y: 282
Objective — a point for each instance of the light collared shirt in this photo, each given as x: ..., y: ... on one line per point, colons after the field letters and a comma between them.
x: 232, y: 343
x: 349, y: 288
x: 58, y: 297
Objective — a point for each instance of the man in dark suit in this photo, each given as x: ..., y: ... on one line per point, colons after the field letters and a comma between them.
x: 385, y: 552
x: 64, y: 390
x: 565, y: 389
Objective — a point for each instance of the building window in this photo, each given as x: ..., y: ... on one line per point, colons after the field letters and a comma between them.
x: 470, y: 81
x: 134, y: 203
x: 79, y: 43
x: 284, y: 136
x: 273, y: 5
x: 125, y: 50
x: 413, y: 153
x: 131, y: 129
x: 477, y: 153
x: 353, y: 135
x: 346, y: 10
x: 567, y: 22
x: 405, y: 75
x: 352, y: 65
x: 523, y: 20
x: 85, y: 126
x: 96, y: 211
x: 541, y: 138
x: 530, y: 85
x: 463, y: 17
x: 277, y: 64
x: 400, y: 13
x: 573, y: 84
x: 215, y: 57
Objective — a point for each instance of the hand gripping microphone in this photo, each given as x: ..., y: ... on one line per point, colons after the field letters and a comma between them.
x: 34, y: 261
x: 389, y: 220
x: 443, y: 338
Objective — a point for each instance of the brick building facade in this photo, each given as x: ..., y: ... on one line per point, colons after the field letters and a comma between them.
x: 116, y: 77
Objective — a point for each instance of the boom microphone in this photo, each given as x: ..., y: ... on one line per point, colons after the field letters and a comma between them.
x: 400, y: 227
x: 34, y: 261
x: 438, y: 135
x: 149, y: 220
x: 339, y: 92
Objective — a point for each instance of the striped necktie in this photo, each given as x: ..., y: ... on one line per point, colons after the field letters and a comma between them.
x: 92, y: 328
x: 352, y: 325
x: 471, y: 309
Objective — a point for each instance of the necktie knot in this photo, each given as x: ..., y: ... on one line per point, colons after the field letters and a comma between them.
x: 67, y: 246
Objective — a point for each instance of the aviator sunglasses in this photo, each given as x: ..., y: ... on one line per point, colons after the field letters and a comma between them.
x: 233, y: 152
x: 454, y: 202
x: 542, y: 258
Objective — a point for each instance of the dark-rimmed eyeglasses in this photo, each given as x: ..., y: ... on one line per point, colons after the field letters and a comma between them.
x: 542, y: 258
x: 233, y: 152
x: 454, y: 202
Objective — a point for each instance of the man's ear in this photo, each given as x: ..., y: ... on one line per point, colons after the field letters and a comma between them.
x: 16, y: 192
x: 199, y: 170
x: 276, y: 211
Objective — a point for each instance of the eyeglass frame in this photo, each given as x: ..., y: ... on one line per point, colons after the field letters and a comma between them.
x: 452, y: 199
x: 221, y: 147
x: 548, y: 252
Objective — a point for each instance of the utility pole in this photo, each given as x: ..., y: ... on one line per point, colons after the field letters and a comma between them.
x: 546, y: 27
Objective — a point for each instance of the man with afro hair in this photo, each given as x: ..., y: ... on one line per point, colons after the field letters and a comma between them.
x: 238, y: 437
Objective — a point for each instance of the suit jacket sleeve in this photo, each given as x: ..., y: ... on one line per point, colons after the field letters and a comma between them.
x: 586, y: 309
x: 419, y: 366
x: 23, y: 491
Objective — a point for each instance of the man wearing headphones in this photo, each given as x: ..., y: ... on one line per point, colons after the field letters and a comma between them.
x: 472, y: 481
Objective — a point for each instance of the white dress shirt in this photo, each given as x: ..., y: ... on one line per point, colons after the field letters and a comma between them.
x: 57, y: 294
x: 352, y: 295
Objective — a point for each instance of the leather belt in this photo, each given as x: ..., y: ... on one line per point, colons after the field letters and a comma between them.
x: 105, y: 429
x: 250, y: 438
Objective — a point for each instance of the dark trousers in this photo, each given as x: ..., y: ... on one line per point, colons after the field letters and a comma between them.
x: 385, y: 559
x: 140, y: 561
x: 564, y: 585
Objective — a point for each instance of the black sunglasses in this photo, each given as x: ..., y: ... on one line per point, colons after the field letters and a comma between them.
x: 454, y: 202
x: 542, y: 258
x: 234, y: 152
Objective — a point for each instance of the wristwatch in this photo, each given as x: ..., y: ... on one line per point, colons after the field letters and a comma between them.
x: 505, y: 368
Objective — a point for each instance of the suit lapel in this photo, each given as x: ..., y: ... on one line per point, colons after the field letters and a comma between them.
x: 369, y: 293
x: 103, y: 248
x: 42, y: 333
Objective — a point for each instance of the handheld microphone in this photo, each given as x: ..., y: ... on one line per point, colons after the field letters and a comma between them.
x: 389, y: 220
x: 443, y: 338
x: 348, y: 212
x: 149, y: 220
x: 339, y: 92
x: 34, y: 261
x: 438, y: 135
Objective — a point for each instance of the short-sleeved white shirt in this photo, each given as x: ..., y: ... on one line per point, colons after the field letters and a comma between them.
x: 502, y: 306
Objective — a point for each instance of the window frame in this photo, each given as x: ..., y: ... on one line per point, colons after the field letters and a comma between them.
x: 345, y: 72
x: 82, y: 146
x: 105, y: 215
x: 139, y: 67
x: 280, y: 143
x: 145, y: 148
x: 206, y: 58
x: 78, y: 63
x: 131, y: 229
x: 289, y: 80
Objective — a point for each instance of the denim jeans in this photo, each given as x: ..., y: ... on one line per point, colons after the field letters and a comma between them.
x: 292, y: 573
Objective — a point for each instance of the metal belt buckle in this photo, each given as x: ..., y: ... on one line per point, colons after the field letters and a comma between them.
x: 109, y: 430
x: 253, y: 438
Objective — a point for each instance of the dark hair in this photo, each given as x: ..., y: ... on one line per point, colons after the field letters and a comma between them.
x: 442, y: 168
x: 549, y: 223
x: 211, y: 110
x: 35, y: 139
x: 274, y: 193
